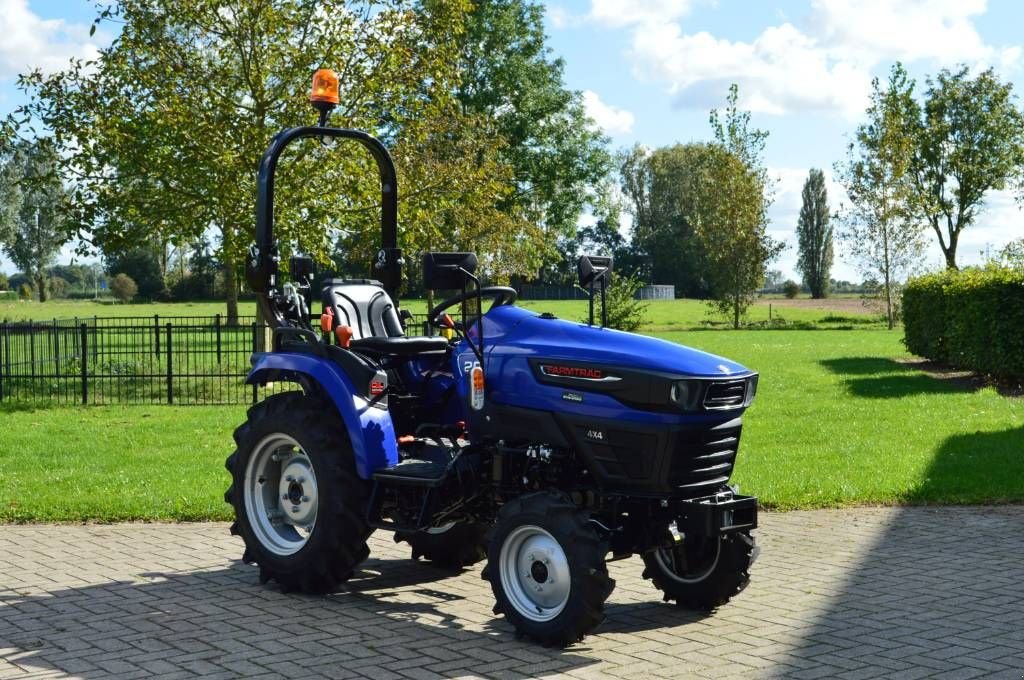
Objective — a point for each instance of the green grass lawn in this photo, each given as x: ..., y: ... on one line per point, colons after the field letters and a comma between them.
x: 839, y: 420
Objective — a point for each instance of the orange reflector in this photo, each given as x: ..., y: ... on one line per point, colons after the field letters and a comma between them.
x: 343, y: 335
x: 476, y: 385
x: 325, y: 87
x: 327, y: 320
x: 406, y: 439
x: 447, y: 321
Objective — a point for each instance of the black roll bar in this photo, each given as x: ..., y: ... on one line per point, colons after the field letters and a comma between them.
x: 262, y: 267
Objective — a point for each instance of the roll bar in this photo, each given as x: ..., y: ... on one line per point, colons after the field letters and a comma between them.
x: 262, y: 267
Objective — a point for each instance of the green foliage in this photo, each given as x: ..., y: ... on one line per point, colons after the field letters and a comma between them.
x: 57, y: 286
x: 790, y: 289
x: 624, y: 311
x: 972, y: 319
x: 25, y: 292
x: 1012, y: 255
x: 969, y: 140
x: 143, y: 267
x: 3, y: 281
x: 814, y: 235
x: 34, y: 216
x: 879, y: 227
x: 123, y: 287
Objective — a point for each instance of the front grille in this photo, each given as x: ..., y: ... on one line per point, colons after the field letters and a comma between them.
x: 702, y: 460
x: 725, y: 394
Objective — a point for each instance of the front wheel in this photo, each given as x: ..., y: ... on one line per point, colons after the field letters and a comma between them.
x: 546, y: 566
x: 701, y: 573
x: 299, y: 505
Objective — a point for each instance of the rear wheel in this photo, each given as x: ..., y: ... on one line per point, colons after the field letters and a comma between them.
x: 451, y: 546
x: 702, y: 573
x: 546, y: 565
x: 299, y: 506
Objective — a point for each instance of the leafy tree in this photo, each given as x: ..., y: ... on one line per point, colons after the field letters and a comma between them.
x: 790, y: 289
x: 773, y: 279
x: 3, y: 282
x: 879, y: 228
x: 969, y: 142
x: 25, y: 292
x: 1012, y: 255
x: 123, y: 287
x: 736, y: 242
x: 164, y: 132
x: 814, y: 235
x: 508, y: 75
x: 142, y: 265
x: 36, y: 228
x: 623, y: 310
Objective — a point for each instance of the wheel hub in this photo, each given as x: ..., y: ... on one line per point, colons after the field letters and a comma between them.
x: 280, y: 494
x: 535, y: 573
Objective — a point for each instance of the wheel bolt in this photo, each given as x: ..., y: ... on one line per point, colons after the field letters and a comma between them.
x: 284, y: 497
x: 530, y: 557
x: 305, y: 499
x: 302, y: 480
x: 289, y: 478
x: 295, y: 508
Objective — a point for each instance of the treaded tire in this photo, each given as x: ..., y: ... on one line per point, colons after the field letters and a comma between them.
x: 728, y: 577
x: 458, y: 547
x: 337, y: 543
x: 585, y: 551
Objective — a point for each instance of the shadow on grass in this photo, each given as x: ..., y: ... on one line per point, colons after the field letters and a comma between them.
x: 882, y: 378
x: 981, y: 467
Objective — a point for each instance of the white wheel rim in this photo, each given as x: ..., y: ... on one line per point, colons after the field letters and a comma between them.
x: 280, y: 494
x: 665, y: 557
x: 534, y: 573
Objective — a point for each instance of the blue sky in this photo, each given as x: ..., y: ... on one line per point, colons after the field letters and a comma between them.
x: 650, y: 70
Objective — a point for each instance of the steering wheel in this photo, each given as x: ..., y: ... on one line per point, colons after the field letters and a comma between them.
x: 503, y: 295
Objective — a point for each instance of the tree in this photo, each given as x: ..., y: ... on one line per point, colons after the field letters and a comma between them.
x: 623, y: 310
x: 814, y: 235
x: 1012, y: 255
x: 970, y: 142
x: 3, y: 281
x: 558, y: 158
x: 879, y: 228
x: 36, y: 227
x: 736, y: 241
x: 123, y: 287
x: 164, y: 132
x: 142, y: 266
x: 790, y: 289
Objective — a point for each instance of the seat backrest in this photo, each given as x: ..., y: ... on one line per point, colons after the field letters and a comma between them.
x: 363, y: 305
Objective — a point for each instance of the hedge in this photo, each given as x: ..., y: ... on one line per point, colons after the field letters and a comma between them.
x: 971, y: 319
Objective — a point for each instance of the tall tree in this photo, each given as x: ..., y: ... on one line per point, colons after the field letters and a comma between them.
x: 34, y: 224
x: 814, y: 235
x: 969, y: 142
x: 508, y: 74
x: 163, y: 133
x: 879, y: 228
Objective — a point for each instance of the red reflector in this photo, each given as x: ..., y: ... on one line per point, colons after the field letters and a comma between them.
x: 406, y: 439
x: 377, y: 387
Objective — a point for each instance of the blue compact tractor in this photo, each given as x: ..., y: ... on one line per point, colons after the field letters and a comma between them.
x: 544, y: 446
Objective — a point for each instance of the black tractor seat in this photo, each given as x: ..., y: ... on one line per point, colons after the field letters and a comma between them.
x: 400, y: 345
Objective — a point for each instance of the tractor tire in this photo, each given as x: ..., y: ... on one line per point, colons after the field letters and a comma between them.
x: 452, y: 546
x: 299, y: 506
x: 546, y: 566
x: 719, y: 571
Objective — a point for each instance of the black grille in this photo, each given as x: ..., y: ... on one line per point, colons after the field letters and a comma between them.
x: 702, y: 460
x: 725, y: 394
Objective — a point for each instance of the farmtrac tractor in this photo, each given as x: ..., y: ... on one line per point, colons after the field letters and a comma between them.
x: 546, y: 447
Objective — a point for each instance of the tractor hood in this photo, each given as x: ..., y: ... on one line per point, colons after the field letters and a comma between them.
x: 516, y: 332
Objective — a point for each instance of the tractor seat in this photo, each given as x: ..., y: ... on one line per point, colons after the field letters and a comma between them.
x: 401, y: 346
x: 364, y: 306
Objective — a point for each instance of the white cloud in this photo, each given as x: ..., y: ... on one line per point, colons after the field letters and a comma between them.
x: 611, y: 119
x: 632, y: 12
x: 824, y: 66
x: 32, y: 42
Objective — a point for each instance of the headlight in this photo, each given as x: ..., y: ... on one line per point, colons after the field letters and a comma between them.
x: 685, y: 394
x: 751, y: 390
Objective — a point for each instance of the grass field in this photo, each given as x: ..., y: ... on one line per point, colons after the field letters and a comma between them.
x: 840, y: 419
x: 661, y: 315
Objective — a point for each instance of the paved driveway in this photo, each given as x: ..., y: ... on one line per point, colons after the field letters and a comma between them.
x: 905, y: 593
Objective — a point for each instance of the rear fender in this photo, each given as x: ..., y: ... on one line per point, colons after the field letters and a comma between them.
x: 369, y: 427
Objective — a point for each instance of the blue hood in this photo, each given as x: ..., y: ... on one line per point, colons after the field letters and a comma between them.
x: 511, y: 331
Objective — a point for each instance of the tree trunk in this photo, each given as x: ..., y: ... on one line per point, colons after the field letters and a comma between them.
x: 231, y: 290
x: 736, y: 312
x: 41, y: 286
x: 950, y: 254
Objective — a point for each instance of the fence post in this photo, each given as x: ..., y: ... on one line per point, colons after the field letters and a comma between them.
x: 85, y: 363
x: 170, y: 366
x: 156, y: 327
x: 254, y: 349
x: 32, y: 347
x: 3, y: 362
x: 56, y: 347
x: 217, y: 323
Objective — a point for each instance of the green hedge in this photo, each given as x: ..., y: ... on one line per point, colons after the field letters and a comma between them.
x: 972, y: 319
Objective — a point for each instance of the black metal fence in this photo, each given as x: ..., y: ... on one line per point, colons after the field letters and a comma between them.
x: 144, y: 360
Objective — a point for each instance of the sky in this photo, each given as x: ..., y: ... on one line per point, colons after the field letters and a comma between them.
x: 650, y: 70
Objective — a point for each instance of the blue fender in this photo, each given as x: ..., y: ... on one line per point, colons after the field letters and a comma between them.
x: 369, y: 427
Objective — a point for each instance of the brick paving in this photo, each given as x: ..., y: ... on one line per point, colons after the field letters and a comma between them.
x: 865, y: 593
